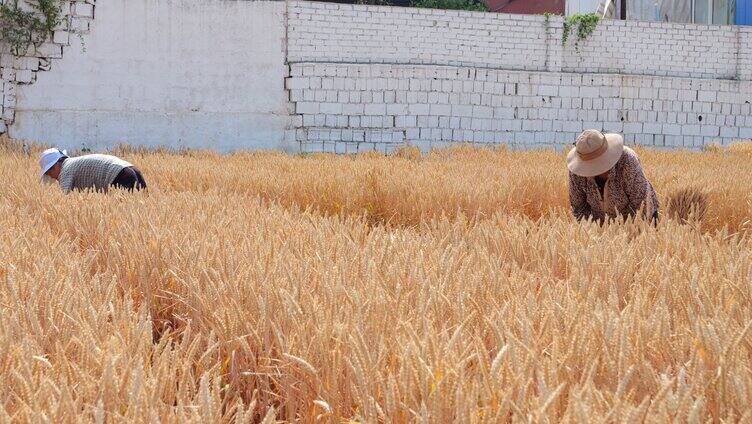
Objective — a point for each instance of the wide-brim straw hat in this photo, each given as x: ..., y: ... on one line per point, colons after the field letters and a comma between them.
x: 595, y: 153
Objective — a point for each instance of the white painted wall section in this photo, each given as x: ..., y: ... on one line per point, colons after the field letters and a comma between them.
x: 178, y: 73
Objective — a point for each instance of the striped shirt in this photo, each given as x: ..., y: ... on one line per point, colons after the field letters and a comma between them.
x: 90, y: 172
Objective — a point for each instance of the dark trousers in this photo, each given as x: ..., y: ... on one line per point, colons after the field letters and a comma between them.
x: 129, y: 178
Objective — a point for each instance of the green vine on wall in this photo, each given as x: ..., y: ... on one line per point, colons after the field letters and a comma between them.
x: 22, y: 27
x: 585, y: 24
x: 547, y: 16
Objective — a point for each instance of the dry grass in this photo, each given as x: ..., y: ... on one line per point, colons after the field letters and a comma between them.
x: 448, y: 287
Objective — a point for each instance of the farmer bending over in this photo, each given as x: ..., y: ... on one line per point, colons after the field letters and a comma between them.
x: 98, y: 172
x: 606, y: 179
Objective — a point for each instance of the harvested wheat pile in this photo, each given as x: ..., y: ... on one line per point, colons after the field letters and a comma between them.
x: 687, y: 205
x: 446, y: 287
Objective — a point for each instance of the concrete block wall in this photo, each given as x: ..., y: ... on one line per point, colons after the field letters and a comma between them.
x: 76, y: 18
x: 745, y: 52
x: 369, y: 77
x: 349, y: 108
x: 657, y: 48
x: 338, y: 33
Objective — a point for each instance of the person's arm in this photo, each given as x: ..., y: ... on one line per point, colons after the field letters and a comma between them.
x: 578, y: 200
x: 66, y: 182
x: 635, y: 184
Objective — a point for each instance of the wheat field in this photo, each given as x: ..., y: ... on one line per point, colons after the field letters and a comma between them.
x: 450, y: 287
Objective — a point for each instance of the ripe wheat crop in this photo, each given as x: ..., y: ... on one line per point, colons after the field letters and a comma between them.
x: 451, y: 287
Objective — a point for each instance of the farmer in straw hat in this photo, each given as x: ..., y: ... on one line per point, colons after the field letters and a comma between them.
x: 97, y: 172
x: 606, y: 179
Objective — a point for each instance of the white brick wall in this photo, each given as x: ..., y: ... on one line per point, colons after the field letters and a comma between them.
x: 745, y: 52
x: 655, y: 48
x: 327, y: 32
x: 367, y: 77
x: 443, y: 104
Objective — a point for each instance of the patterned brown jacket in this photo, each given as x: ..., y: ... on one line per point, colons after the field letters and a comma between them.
x: 625, y: 192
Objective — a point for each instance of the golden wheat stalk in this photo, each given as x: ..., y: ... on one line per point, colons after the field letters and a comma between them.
x: 452, y: 286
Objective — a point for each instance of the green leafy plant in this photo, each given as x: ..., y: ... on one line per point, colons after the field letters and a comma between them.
x: 547, y: 20
x: 585, y: 24
x: 22, y: 27
x: 50, y: 10
x: 375, y: 2
x: 472, y: 5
